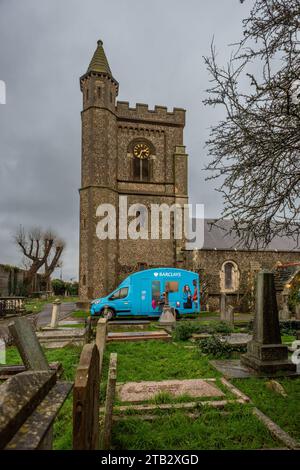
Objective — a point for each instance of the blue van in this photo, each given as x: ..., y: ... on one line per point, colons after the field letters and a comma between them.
x: 142, y: 293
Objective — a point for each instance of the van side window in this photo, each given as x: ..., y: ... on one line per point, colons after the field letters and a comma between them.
x: 115, y: 296
x: 155, y: 291
x: 123, y: 292
x: 120, y: 294
x: 172, y: 286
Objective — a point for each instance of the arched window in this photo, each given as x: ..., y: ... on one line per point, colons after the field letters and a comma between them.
x: 228, y: 270
x: 229, y: 277
x: 141, y: 169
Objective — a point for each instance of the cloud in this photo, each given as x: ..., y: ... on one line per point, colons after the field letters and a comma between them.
x: 155, y: 51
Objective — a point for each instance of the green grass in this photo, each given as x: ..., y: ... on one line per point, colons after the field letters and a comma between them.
x: 212, y: 430
x: 80, y: 314
x: 158, y: 360
x: 284, y: 411
x: 155, y: 360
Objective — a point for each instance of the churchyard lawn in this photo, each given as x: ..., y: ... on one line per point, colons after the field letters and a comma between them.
x: 234, y: 427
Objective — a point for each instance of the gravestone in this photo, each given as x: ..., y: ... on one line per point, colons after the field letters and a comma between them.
x: 101, y: 333
x: 266, y: 353
x: 86, y: 400
x: 168, y: 317
x: 28, y: 344
x: 223, y: 301
x: 55, y: 313
x: 285, y: 313
x: 142, y: 391
x: 229, y: 315
x: 29, y: 403
x: 109, y: 401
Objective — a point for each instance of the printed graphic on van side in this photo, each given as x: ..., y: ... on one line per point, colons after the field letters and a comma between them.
x: 145, y: 293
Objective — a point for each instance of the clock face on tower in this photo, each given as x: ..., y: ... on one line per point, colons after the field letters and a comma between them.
x: 141, y: 150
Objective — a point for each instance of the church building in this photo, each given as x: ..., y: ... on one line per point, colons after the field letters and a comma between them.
x: 139, y: 153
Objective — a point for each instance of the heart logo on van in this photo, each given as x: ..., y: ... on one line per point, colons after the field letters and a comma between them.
x: 155, y: 274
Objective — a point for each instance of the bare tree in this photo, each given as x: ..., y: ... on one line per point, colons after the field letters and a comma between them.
x: 255, y: 148
x: 41, y: 249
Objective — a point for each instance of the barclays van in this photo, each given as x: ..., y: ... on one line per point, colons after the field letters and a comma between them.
x: 143, y: 293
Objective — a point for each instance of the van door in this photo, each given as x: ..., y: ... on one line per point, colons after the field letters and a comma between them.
x: 121, y: 301
x: 144, y: 297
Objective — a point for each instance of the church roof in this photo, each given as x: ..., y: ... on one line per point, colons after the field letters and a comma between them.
x: 284, y: 274
x: 218, y: 237
x: 99, y: 62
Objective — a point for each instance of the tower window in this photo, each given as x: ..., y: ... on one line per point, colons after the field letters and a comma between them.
x: 111, y: 97
x: 141, y: 169
x: 84, y: 280
x: 99, y: 92
x: 87, y: 94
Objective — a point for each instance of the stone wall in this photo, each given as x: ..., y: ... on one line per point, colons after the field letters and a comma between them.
x: 12, y: 279
x: 209, y: 264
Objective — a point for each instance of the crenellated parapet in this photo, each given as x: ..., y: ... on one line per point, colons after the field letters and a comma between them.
x: 141, y: 112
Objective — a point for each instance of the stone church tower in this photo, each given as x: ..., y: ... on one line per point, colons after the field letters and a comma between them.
x: 134, y: 152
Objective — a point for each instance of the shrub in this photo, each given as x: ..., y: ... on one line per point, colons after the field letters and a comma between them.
x: 72, y: 288
x: 58, y: 286
x: 214, y: 347
x: 221, y: 327
x: 184, y: 330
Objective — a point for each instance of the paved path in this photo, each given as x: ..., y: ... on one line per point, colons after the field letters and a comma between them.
x: 44, y: 317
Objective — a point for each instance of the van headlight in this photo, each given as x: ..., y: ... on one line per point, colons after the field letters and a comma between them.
x: 96, y: 302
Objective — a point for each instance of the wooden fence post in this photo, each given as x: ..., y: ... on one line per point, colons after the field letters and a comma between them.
x: 86, y: 400
x: 101, y: 333
x: 109, y: 401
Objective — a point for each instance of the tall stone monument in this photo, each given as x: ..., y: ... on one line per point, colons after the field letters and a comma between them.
x: 266, y: 353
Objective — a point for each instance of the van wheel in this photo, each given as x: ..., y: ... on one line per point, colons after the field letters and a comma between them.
x: 108, y: 313
x: 177, y: 315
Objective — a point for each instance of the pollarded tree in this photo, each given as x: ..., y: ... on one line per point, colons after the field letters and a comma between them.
x: 42, y: 251
x: 255, y: 149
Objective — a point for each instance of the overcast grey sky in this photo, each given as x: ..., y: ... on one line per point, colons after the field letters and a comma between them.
x: 155, y: 50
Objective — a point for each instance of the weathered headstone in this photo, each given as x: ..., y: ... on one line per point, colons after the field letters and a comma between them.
x: 101, y: 333
x: 55, y: 313
x: 29, y: 403
x: 86, y: 400
x: 297, y: 311
x: 88, y: 330
x: 266, y: 353
x: 168, y: 317
x: 223, y: 302
x: 229, y: 315
x: 109, y: 401
x: 285, y: 313
x: 28, y: 344
x: 142, y: 391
